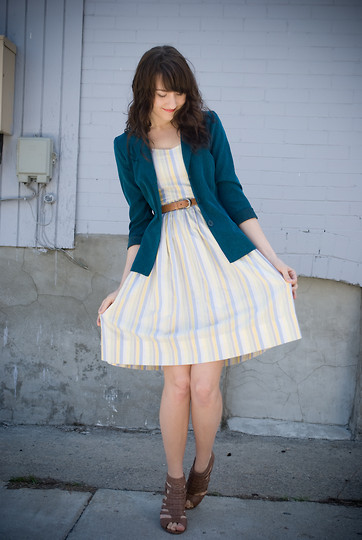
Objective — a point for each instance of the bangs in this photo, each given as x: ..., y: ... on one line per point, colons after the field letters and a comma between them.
x: 175, y: 79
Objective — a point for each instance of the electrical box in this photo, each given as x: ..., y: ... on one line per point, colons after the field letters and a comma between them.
x: 7, y: 78
x: 34, y: 159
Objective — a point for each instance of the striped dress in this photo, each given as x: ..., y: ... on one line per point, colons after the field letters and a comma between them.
x: 195, y: 306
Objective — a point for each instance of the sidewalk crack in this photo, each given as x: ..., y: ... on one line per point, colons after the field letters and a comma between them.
x: 91, y: 495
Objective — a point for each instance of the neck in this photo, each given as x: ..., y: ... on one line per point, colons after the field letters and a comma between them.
x: 160, y: 125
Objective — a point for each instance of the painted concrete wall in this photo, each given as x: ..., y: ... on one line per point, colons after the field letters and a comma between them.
x: 312, y: 381
x: 51, y: 371
x: 286, y: 79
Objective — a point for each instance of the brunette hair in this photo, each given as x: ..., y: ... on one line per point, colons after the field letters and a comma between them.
x: 177, y: 76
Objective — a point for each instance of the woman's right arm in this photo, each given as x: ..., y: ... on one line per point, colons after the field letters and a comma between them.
x: 131, y: 255
x: 139, y: 212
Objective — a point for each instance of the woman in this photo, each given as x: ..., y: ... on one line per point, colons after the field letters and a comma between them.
x: 202, y: 287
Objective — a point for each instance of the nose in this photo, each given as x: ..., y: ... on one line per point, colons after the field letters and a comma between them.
x: 171, y: 102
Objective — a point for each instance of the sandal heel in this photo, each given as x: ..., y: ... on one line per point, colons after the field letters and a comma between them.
x: 197, y: 484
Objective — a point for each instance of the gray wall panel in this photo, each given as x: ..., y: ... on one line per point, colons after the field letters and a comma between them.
x: 48, y: 36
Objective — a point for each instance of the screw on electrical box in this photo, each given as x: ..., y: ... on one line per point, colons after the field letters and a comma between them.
x: 49, y: 198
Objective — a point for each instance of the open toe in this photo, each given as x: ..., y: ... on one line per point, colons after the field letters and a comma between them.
x: 172, y: 516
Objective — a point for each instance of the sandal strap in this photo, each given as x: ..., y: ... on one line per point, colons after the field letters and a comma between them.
x: 199, y: 482
x: 173, y: 504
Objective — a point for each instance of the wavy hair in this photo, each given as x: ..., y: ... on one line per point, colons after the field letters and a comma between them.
x: 177, y: 76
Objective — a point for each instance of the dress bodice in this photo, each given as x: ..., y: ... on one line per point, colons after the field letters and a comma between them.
x: 172, y: 178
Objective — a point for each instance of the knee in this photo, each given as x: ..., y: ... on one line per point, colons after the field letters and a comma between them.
x: 180, y: 387
x: 204, y: 392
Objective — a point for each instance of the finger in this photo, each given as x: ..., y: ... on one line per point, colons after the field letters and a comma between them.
x: 286, y: 276
x: 104, y: 305
x: 292, y: 273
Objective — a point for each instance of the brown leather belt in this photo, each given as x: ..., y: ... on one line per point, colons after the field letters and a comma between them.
x: 178, y: 205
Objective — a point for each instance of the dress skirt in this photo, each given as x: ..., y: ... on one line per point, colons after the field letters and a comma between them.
x: 195, y: 306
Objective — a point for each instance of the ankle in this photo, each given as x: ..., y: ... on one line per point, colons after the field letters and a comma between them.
x: 175, y: 474
x: 202, y: 463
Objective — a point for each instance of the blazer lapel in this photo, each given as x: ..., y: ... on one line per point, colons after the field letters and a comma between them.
x: 144, y: 156
x: 186, y: 154
x: 146, y: 176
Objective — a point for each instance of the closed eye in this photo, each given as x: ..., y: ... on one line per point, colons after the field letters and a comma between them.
x: 164, y: 95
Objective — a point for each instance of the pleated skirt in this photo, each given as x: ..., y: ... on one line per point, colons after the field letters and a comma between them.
x: 196, y: 306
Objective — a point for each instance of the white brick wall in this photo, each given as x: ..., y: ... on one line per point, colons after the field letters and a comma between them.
x: 286, y: 79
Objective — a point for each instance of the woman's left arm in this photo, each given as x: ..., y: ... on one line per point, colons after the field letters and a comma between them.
x: 254, y: 232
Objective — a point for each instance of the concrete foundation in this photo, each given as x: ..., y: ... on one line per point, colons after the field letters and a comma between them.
x: 51, y: 370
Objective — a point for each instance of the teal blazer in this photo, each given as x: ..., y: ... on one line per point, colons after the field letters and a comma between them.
x: 214, y: 183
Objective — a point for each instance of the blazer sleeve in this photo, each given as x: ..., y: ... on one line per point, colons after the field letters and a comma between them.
x: 140, y: 213
x: 229, y: 189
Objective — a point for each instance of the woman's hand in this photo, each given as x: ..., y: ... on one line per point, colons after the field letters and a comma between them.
x: 288, y: 273
x: 252, y: 229
x: 108, y: 301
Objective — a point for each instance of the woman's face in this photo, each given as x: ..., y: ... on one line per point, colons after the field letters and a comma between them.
x: 165, y: 103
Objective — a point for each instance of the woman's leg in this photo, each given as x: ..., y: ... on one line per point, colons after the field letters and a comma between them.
x: 206, y: 409
x: 174, y: 420
x: 174, y: 416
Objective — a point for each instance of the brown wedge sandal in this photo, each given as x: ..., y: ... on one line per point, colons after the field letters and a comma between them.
x: 197, y: 484
x: 173, y: 504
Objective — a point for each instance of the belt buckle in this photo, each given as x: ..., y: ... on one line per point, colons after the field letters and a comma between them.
x: 189, y: 201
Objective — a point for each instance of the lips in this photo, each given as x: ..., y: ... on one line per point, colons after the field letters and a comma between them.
x: 170, y: 110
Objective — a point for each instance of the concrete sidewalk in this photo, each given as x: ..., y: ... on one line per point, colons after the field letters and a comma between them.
x: 261, y: 487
